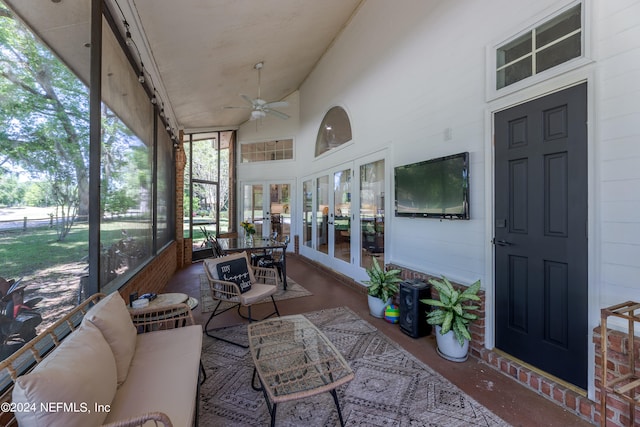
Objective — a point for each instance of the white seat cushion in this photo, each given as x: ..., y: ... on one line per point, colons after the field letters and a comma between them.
x: 163, y: 376
x: 257, y: 293
x: 80, y: 372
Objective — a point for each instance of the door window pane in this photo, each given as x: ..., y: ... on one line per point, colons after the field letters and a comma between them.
x: 322, y: 231
x: 372, y: 186
x: 307, y: 212
x: 205, y: 215
x: 253, y: 202
x: 342, y: 215
x: 279, y: 209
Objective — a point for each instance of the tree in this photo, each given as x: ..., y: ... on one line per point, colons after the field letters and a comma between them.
x: 44, y: 118
x: 11, y: 192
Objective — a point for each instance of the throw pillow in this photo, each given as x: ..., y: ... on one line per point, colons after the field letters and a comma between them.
x: 79, y: 375
x: 112, y: 318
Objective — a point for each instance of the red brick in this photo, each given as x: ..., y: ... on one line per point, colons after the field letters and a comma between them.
x: 586, y: 408
x: 558, y: 394
x: 523, y: 377
x: 534, y: 382
x: 570, y: 401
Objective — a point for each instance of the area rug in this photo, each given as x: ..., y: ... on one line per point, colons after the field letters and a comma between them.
x: 294, y: 290
x: 391, y: 387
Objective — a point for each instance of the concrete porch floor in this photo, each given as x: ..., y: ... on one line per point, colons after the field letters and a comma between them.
x: 508, y: 399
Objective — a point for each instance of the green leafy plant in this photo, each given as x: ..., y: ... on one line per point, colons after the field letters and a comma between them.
x: 451, y: 312
x: 382, y: 284
x: 249, y: 228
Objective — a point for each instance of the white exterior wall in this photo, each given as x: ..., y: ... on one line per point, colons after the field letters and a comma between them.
x: 410, y: 72
x: 406, y: 73
x: 617, y: 156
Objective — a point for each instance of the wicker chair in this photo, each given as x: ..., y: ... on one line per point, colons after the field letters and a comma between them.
x: 231, y: 291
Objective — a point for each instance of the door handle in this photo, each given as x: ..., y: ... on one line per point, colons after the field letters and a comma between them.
x: 501, y: 242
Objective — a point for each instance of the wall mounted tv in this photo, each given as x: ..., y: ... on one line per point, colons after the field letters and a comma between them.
x: 436, y: 188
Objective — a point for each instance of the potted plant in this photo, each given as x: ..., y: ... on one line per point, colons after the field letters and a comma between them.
x: 249, y: 230
x: 383, y: 285
x: 451, y: 316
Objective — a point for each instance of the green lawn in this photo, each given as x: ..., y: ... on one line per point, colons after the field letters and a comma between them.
x: 37, y: 249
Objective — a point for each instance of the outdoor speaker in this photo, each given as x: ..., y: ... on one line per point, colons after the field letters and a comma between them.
x: 413, y: 313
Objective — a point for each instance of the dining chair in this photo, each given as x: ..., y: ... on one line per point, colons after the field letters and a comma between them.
x: 232, y: 279
x: 276, y: 260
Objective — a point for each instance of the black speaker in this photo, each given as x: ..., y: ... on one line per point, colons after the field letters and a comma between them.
x: 413, y: 313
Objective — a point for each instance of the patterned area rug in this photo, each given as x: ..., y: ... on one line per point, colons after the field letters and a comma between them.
x: 294, y: 290
x: 391, y: 387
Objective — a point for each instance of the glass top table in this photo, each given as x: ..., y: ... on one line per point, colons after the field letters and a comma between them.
x: 294, y: 359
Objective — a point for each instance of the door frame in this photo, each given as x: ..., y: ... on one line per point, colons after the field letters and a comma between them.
x: 584, y: 75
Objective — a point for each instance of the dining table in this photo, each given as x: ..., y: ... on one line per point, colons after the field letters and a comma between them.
x: 256, y: 245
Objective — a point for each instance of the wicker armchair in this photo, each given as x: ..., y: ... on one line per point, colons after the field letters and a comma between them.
x: 231, y: 292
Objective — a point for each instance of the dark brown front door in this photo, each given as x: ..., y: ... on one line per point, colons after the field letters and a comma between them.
x: 540, y: 233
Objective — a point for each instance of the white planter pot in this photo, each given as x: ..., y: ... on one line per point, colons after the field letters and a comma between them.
x: 377, y: 306
x: 450, y: 348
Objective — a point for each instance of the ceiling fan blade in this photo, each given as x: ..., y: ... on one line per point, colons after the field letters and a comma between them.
x: 276, y: 104
x: 248, y: 99
x: 232, y: 108
x: 276, y: 113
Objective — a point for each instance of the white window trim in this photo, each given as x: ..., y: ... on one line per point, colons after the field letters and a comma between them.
x: 491, y: 93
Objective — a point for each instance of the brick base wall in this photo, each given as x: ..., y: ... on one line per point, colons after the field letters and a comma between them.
x: 617, y: 365
x: 155, y: 276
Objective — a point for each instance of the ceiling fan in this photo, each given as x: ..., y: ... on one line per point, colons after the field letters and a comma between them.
x: 258, y: 106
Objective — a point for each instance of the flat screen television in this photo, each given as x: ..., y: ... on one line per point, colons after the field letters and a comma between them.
x: 436, y: 188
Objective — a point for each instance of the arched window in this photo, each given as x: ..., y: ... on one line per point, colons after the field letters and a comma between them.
x: 334, y: 131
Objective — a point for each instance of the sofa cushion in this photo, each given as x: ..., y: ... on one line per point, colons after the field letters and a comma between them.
x: 163, y: 376
x: 80, y: 373
x: 111, y: 316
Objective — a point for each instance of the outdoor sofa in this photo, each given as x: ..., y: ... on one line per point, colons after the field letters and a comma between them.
x: 95, y: 367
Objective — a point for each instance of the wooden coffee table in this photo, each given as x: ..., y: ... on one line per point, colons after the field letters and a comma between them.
x: 293, y: 360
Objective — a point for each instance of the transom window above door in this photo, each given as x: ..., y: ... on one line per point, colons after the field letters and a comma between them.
x: 334, y: 131
x: 547, y: 45
x: 266, y: 151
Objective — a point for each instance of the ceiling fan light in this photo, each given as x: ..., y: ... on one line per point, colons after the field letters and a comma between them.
x: 257, y: 114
